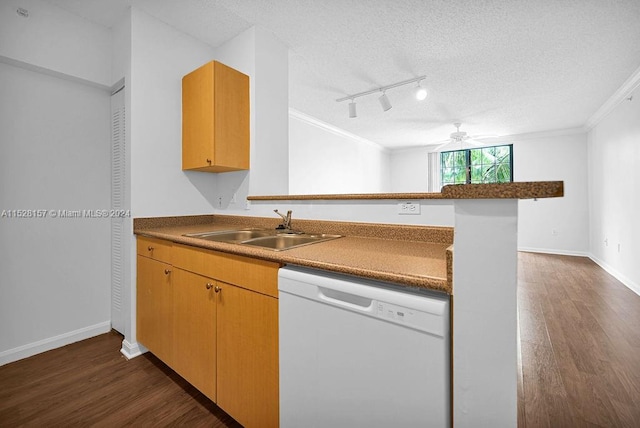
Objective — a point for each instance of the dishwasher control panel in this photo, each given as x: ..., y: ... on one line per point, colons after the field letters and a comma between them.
x: 402, y: 315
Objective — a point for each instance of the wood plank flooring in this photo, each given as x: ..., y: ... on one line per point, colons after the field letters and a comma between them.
x: 579, y: 345
x: 90, y: 383
x: 579, y: 365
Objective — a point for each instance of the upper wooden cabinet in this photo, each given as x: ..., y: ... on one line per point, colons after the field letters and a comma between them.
x: 215, y: 119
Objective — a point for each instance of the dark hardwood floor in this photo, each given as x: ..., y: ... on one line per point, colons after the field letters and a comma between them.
x: 579, y: 345
x: 579, y: 366
x: 90, y: 383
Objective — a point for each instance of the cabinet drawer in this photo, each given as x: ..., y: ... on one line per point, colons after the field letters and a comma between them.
x: 253, y: 274
x: 157, y: 249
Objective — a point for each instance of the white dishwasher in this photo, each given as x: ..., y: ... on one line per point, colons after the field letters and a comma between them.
x: 361, y: 353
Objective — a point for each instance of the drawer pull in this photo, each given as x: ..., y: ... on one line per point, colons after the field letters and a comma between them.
x: 217, y: 289
x: 209, y: 285
x: 150, y: 248
x: 167, y: 271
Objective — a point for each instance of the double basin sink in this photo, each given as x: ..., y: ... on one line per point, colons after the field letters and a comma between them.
x: 276, y: 240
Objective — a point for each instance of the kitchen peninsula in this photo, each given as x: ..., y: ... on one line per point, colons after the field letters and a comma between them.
x: 481, y: 282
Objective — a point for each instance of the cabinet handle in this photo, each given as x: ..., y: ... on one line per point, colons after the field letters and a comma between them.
x: 150, y: 248
x: 217, y: 289
x: 167, y: 271
x: 209, y: 161
x: 209, y: 285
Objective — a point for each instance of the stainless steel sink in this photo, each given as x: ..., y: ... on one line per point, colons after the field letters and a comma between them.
x: 285, y: 242
x: 264, y: 238
x: 231, y: 236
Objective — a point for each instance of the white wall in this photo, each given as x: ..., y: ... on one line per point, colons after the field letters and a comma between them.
x: 54, y: 154
x: 269, y: 164
x: 121, y: 49
x: 485, y: 329
x: 433, y: 212
x: 614, y: 183
x: 55, y: 41
x: 554, y: 225
x: 325, y: 160
x: 160, y: 57
x: 239, y: 53
x: 257, y: 53
x: 409, y: 170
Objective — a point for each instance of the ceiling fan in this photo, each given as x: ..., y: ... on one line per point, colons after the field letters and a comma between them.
x: 458, y: 140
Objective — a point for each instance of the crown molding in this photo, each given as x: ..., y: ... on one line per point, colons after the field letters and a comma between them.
x: 525, y: 136
x: 623, y: 93
x: 543, y: 134
x: 302, y: 117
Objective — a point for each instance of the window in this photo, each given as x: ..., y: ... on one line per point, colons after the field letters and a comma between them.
x: 481, y: 165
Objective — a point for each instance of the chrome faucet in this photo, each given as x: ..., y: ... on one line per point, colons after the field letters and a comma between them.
x: 286, y: 224
x: 285, y: 227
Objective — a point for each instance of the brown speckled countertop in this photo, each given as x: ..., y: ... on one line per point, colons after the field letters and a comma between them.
x: 517, y: 190
x: 419, y: 256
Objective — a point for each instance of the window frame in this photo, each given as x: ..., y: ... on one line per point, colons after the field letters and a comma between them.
x: 468, y: 164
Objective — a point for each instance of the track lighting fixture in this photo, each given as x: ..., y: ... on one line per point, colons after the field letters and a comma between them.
x: 352, y: 109
x: 384, y: 102
x: 420, y: 93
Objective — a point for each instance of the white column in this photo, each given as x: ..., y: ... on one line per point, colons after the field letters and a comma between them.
x: 484, y: 308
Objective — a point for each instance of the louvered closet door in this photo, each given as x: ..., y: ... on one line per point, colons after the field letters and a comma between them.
x: 118, y: 203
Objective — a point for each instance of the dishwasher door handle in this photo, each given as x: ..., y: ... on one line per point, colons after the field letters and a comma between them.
x: 347, y: 300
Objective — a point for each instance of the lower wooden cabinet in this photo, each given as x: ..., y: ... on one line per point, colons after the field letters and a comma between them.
x: 155, y: 308
x: 248, y: 356
x: 219, y: 336
x: 194, y: 330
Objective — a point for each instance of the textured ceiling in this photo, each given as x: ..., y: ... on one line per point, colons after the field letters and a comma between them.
x: 500, y: 67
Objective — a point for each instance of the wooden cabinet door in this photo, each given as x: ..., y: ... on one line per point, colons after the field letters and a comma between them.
x: 155, y: 308
x: 195, y: 330
x: 231, y: 127
x: 197, y: 118
x: 215, y: 119
x: 248, y: 356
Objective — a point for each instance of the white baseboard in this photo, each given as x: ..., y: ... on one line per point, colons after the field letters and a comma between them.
x: 554, y: 251
x: 132, y: 350
x: 626, y: 281
x: 50, y: 343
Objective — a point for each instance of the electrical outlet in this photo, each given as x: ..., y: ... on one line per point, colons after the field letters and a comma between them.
x: 233, y: 198
x: 247, y: 205
x: 410, y: 208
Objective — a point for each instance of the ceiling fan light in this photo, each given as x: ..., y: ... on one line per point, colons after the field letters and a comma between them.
x: 352, y: 110
x: 384, y: 102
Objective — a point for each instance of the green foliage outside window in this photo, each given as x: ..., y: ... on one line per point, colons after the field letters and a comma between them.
x: 481, y: 165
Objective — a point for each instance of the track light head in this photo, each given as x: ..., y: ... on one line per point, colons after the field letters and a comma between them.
x: 420, y: 92
x: 384, y: 102
x: 352, y: 109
